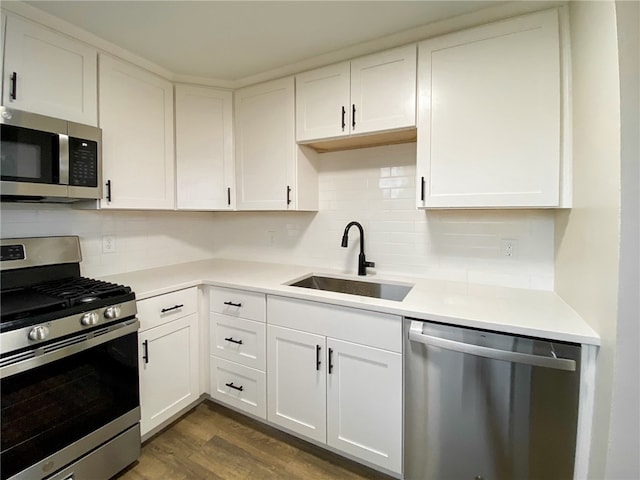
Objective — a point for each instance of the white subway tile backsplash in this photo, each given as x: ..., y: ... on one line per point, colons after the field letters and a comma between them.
x: 374, y: 186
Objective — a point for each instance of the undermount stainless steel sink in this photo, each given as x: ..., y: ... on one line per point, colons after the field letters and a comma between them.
x: 385, y: 291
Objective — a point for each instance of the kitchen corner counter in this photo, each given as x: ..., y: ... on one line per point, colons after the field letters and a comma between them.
x: 512, y: 310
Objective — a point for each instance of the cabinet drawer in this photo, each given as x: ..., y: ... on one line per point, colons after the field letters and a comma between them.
x: 241, y: 387
x: 238, y: 340
x: 238, y: 303
x: 159, y: 310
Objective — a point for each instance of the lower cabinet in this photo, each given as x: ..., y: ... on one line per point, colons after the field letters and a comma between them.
x: 297, y: 383
x: 342, y: 393
x: 237, y: 349
x: 168, y: 356
x: 327, y: 373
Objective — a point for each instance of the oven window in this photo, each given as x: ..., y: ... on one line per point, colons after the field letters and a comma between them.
x: 49, y: 407
x: 29, y: 155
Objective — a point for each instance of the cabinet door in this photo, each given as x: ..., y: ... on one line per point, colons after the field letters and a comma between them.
x: 169, y: 370
x: 265, y: 146
x: 136, y: 116
x: 489, y: 116
x: 323, y: 106
x: 383, y: 91
x: 296, y: 382
x: 54, y: 74
x: 364, y: 403
x: 204, y: 149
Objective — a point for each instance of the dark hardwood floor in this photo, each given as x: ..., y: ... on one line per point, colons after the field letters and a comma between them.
x: 213, y: 442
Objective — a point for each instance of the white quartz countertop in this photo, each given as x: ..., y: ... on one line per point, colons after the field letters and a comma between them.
x: 512, y: 310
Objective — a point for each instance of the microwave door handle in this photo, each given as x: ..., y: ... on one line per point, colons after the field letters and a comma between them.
x: 64, y: 159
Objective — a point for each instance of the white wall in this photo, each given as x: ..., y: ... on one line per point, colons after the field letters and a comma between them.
x: 374, y: 186
x: 587, y: 237
x: 623, y: 461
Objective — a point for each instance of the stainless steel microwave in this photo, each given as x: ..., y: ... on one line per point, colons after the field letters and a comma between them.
x: 45, y: 159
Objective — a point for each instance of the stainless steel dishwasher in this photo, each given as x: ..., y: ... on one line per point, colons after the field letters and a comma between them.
x: 480, y: 405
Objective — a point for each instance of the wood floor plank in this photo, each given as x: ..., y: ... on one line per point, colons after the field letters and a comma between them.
x: 213, y: 442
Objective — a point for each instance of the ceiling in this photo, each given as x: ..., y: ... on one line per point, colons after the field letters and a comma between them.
x: 232, y: 40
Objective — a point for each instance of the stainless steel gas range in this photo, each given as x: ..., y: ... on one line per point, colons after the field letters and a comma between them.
x: 70, y: 406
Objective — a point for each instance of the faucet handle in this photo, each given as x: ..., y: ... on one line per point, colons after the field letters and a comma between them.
x: 370, y: 264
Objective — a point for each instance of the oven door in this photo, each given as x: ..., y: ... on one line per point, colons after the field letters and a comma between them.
x: 69, y: 398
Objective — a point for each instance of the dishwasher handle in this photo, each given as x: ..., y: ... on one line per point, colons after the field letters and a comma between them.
x: 416, y: 335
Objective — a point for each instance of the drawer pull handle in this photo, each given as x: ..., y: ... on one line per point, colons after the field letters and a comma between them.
x: 14, y: 86
x: 330, y: 360
x: 231, y: 339
x: 318, y: 357
x: 175, y: 307
x: 231, y: 385
x: 145, y: 351
x: 233, y: 304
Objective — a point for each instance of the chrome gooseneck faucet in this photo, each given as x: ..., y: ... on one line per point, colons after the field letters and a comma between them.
x: 362, y: 262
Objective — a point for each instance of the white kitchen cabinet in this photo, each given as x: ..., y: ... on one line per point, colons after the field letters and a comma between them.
x: 168, y: 357
x: 296, y: 381
x: 204, y: 149
x: 370, y: 94
x: 335, y: 375
x: 490, y: 116
x: 136, y: 117
x: 237, y: 349
x: 272, y: 172
x: 364, y: 403
x: 49, y: 73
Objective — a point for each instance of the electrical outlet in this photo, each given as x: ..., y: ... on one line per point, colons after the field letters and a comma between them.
x: 108, y: 243
x: 508, y: 248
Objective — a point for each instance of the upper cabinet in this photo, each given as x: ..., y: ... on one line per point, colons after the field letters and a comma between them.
x: 49, y: 73
x: 204, y: 149
x: 371, y: 94
x: 491, y: 130
x: 136, y: 116
x: 272, y: 172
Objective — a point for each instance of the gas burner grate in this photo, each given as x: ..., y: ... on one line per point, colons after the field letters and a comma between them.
x: 80, y: 289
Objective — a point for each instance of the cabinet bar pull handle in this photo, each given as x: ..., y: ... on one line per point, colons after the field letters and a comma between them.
x: 318, y: 357
x: 145, y: 351
x: 353, y: 116
x: 231, y: 385
x: 14, y: 85
x: 232, y: 340
x: 108, y: 190
x: 288, y: 195
x: 330, y: 360
x: 344, y: 113
x: 229, y: 196
x: 422, y: 189
x: 233, y: 304
x: 175, y: 307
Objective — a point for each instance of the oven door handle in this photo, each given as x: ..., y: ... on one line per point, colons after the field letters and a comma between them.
x: 57, y: 350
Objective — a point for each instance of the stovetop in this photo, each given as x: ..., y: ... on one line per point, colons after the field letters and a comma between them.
x: 53, y: 299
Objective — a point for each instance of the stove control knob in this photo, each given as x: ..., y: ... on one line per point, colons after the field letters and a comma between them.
x: 39, y: 333
x: 112, y: 313
x: 88, y: 319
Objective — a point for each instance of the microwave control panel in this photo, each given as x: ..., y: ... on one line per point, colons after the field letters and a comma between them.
x: 83, y: 162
